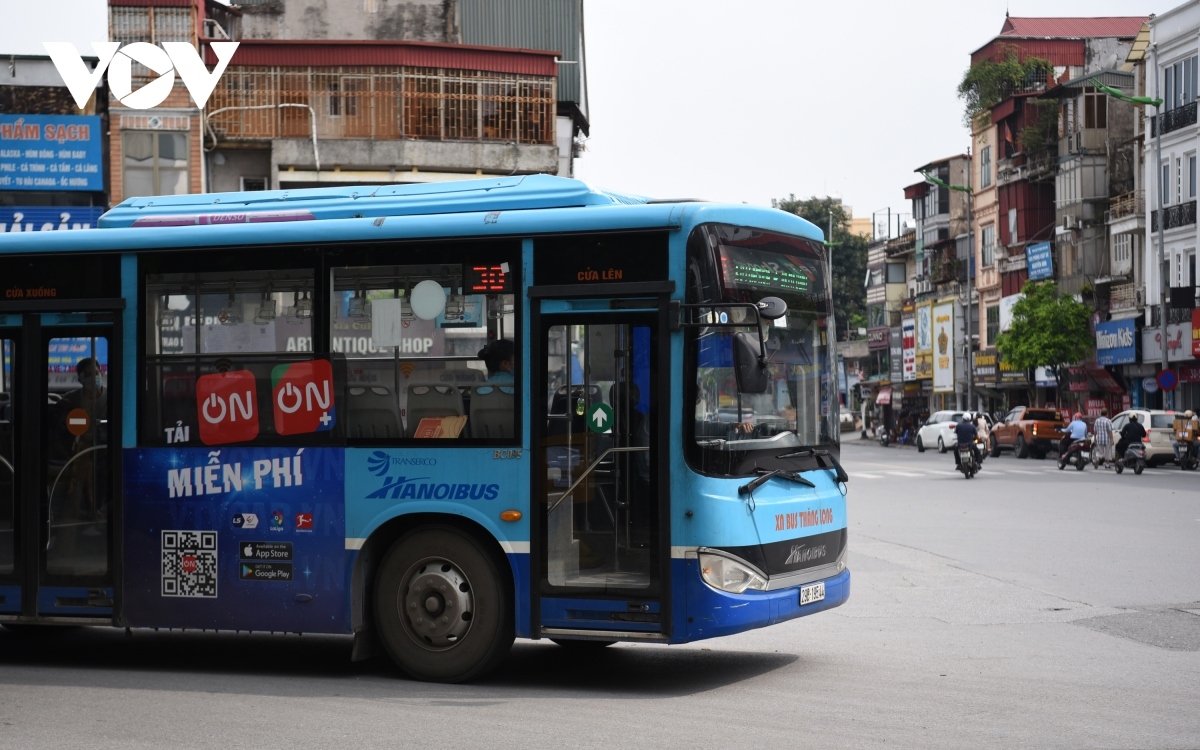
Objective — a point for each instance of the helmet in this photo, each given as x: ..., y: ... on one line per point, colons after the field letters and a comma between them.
x: 1077, y: 416
x: 1133, y: 418
x: 1189, y: 414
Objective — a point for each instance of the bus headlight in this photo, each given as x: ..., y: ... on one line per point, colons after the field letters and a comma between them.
x: 726, y: 574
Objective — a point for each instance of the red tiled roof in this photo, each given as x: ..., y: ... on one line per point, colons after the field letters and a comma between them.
x: 1072, y: 28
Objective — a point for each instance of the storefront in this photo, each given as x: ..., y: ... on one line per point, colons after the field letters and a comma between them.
x: 1180, y: 352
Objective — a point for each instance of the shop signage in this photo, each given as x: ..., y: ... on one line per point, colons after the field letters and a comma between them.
x: 1196, y: 333
x: 895, y: 355
x: 1008, y: 373
x: 1006, y: 310
x: 1179, y: 344
x: 1149, y: 384
x: 943, y: 348
x: 1189, y: 373
x: 1094, y: 405
x: 877, y: 338
x: 986, y: 366
x: 1038, y: 261
x: 43, y: 219
x: 908, y: 343
x: 1115, y: 343
x: 51, y: 152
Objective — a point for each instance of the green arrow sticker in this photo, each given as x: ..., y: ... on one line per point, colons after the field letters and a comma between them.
x: 600, y: 418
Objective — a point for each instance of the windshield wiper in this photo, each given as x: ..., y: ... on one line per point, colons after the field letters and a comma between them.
x: 764, y: 475
x: 820, y: 455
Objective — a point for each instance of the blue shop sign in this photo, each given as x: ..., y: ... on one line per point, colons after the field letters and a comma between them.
x: 1039, y: 262
x: 46, y: 218
x: 51, y: 152
x: 1116, y: 342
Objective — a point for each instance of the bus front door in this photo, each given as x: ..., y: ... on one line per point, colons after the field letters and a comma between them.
x: 58, y: 468
x: 601, y: 558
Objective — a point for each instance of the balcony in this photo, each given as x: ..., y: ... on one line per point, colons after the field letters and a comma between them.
x: 1180, y: 117
x: 1019, y: 167
x: 946, y: 267
x: 1129, y: 204
x: 383, y: 103
x: 1180, y: 215
x: 1124, y: 296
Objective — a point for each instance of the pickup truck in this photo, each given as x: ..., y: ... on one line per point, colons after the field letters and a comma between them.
x: 1028, y: 430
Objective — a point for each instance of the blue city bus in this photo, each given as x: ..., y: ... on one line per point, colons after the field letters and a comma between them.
x: 435, y: 417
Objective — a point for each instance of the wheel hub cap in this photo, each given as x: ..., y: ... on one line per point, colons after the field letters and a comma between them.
x: 437, y: 604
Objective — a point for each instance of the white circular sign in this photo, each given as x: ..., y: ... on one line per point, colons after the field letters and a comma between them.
x: 1149, y: 385
x: 428, y: 299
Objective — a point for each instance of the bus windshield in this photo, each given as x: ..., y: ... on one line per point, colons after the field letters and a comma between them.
x: 742, y: 265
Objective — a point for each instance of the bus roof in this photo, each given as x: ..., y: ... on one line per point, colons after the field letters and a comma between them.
x: 429, y: 210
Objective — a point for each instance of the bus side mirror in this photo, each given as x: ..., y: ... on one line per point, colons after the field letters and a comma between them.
x: 749, y: 364
x: 771, y: 308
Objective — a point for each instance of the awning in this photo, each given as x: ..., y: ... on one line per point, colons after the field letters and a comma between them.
x: 1103, y: 378
x: 884, y: 397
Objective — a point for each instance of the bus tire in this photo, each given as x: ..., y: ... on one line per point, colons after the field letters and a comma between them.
x: 443, y: 607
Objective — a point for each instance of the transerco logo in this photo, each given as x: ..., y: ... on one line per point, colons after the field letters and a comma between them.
x: 800, y: 554
x: 166, y: 61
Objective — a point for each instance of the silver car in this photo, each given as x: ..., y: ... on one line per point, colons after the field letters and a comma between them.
x: 1160, y: 427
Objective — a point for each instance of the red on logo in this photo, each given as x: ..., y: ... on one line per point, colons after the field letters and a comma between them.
x: 304, y: 521
x: 302, y: 395
x: 227, y: 407
x: 189, y: 563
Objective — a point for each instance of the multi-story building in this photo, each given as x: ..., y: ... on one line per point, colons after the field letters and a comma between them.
x: 380, y: 92
x: 1049, y: 156
x: 1171, y: 74
x: 939, y: 273
x: 52, y: 165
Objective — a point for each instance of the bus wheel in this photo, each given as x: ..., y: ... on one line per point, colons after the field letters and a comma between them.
x: 442, y: 608
x: 581, y: 647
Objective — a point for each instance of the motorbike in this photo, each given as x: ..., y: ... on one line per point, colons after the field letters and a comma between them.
x: 967, y: 463
x: 1189, y: 456
x: 1134, y: 458
x: 884, y: 436
x: 1077, y: 454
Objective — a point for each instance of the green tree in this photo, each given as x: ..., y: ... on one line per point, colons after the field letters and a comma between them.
x: 987, y: 82
x: 1048, y: 330
x: 849, y: 254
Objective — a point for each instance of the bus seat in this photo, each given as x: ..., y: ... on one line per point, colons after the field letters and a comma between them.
x: 492, y: 411
x: 371, y: 412
x: 432, y: 400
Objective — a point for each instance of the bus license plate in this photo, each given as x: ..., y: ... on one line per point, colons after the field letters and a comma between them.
x: 813, y: 593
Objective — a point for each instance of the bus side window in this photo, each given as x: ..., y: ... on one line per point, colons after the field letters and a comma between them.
x: 425, y: 357
x: 229, y: 360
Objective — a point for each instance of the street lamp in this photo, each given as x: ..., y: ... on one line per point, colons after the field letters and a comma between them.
x: 970, y: 262
x: 1145, y: 101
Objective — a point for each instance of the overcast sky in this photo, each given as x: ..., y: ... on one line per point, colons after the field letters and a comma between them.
x: 753, y: 100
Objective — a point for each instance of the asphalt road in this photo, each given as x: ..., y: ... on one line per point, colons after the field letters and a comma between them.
x: 1027, y: 607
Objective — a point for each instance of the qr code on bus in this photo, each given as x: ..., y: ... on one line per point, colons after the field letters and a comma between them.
x: 189, y: 563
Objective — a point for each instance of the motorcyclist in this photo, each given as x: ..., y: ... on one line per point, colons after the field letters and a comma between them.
x: 1076, y: 430
x: 965, y: 433
x: 1188, y: 423
x: 1130, y: 433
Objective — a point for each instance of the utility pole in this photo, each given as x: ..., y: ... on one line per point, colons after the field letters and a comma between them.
x: 970, y: 263
x: 1163, y: 270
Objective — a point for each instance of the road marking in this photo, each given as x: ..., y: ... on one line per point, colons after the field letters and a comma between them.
x: 903, y: 474
x: 1023, y: 471
x: 866, y: 475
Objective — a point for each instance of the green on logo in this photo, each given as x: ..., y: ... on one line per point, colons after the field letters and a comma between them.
x: 599, y: 418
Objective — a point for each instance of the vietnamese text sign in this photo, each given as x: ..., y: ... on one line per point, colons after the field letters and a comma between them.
x: 895, y: 354
x: 1179, y: 336
x: 943, y: 348
x: 1039, y: 261
x: 1196, y: 332
x: 908, y: 341
x: 50, y: 152
x: 44, y: 219
x: 1115, y: 343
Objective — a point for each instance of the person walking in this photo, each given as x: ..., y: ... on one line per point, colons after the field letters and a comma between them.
x: 1102, y: 428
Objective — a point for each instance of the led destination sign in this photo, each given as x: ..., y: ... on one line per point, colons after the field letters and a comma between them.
x: 743, y: 268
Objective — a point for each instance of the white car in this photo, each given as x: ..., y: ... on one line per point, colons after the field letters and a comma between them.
x: 938, y: 430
